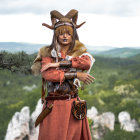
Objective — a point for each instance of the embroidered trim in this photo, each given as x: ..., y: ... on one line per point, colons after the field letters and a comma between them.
x: 62, y: 24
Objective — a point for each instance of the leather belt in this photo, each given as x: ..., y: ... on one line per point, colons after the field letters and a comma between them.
x: 62, y: 97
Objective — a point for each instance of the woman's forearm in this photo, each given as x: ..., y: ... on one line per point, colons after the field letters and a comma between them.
x: 83, y: 63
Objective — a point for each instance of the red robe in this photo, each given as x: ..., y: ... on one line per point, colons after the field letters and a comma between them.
x: 60, y: 124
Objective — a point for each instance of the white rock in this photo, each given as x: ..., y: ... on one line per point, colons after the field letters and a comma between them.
x: 126, y: 122
x: 100, y: 122
x: 91, y: 113
x: 124, y: 116
x: 24, y: 114
x: 22, y: 125
x: 37, y: 111
x: 35, y: 131
x: 18, y: 127
x: 106, y: 119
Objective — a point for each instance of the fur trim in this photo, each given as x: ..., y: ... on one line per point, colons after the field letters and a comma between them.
x: 36, y: 67
x: 45, y: 51
x: 78, y: 49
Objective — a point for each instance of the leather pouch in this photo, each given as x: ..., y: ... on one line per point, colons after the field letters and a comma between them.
x: 79, y: 109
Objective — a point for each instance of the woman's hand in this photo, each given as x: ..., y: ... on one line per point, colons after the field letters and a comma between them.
x: 85, y: 77
x: 50, y: 65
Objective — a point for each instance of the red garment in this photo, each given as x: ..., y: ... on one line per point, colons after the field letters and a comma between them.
x: 83, y: 62
x: 52, y: 74
x: 60, y: 124
x: 62, y: 54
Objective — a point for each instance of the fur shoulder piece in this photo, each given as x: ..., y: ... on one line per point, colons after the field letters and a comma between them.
x: 79, y: 49
x: 43, y: 52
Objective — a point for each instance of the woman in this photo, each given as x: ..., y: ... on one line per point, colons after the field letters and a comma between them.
x: 62, y: 65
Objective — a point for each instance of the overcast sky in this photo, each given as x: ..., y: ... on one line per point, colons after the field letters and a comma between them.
x: 108, y: 22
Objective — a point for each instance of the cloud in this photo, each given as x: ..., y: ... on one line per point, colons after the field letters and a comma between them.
x: 108, y: 7
x: 99, y: 30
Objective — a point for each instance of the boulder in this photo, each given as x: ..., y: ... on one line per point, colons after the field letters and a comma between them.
x: 126, y: 122
x: 35, y: 131
x: 100, y: 122
x: 18, y: 127
x: 21, y: 127
x: 91, y: 113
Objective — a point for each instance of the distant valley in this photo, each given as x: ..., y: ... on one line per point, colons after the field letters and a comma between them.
x: 105, y: 51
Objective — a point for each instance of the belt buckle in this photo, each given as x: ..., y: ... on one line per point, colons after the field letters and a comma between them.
x: 69, y: 97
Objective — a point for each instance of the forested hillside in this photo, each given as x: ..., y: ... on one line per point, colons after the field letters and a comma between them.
x: 115, y: 89
x: 119, y: 52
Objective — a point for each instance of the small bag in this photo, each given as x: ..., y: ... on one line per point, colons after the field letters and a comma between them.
x: 79, y: 109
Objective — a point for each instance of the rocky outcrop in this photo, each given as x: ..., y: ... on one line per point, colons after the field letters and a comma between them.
x: 100, y: 122
x: 107, y: 120
x: 21, y: 127
x: 126, y: 122
x: 34, y: 131
x: 91, y: 113
x: 18, y: 128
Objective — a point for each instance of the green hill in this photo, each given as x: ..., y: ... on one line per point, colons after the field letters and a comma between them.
x: 119, y: 52
x: 136, y: 58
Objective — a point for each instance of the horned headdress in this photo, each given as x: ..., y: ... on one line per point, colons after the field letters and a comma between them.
x: 62, y: 23
x: 69, y: 19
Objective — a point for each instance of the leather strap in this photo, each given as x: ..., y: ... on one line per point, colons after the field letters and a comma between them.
x: 64, y: 97
x: 69, y: 75
x: 65, y: 63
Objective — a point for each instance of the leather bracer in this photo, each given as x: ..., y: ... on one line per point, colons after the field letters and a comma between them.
x: 65, y: 63
x: 69, y: 75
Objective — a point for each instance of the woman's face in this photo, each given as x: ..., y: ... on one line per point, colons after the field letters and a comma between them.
x: 64, y: 39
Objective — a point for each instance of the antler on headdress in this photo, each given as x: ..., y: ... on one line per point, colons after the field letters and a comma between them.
x: 72, y: 14
x: 54, y: 15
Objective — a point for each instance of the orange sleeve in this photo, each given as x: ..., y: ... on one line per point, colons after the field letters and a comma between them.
x: 82, y: 62
x: 52, y: 74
